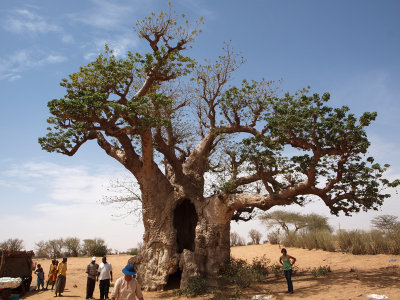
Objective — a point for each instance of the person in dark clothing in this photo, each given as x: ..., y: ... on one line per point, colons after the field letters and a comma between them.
x: 91, y: 270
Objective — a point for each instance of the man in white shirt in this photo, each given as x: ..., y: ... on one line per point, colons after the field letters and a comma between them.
x: 127, y: 288
x: 105, y: 277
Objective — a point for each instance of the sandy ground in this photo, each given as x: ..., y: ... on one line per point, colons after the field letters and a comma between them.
x: 352, y: 276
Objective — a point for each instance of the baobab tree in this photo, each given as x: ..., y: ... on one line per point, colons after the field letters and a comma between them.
x: 204, y: 153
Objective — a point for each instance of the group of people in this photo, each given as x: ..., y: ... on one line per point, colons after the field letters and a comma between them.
x: 125, y: 288
x: 102, y: 273
x: 57, y: 276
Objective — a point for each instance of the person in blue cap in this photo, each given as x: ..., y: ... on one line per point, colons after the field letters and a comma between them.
x: 126, y: 287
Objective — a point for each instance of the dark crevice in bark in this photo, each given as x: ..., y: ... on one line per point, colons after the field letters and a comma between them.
x: 185, y: 221
x: 174, y: 281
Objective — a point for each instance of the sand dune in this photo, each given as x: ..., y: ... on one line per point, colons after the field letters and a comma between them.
x: 370, y: 274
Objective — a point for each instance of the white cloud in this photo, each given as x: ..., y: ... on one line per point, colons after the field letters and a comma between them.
x: 67, y: 39
x: 104, y: 14
x: 64, y: 199
x: 24, y: 60
x: 120, y: 44
x: 23, y: 21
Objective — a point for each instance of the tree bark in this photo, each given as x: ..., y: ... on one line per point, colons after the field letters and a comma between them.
x: 184, y: 237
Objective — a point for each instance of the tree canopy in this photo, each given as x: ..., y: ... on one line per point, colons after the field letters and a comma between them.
x: 164, y: 114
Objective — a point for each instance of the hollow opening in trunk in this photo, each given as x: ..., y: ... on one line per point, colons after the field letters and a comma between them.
x: 174, y: 281
x: 185, y: 221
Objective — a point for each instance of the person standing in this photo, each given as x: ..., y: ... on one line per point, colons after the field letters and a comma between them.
x: 40, y: 277
x: 51, y: 279
x: 287, y: 261
x: 126, y: 287
x: 61, y: 277
x: 91, y: 271
x: 105, y: 277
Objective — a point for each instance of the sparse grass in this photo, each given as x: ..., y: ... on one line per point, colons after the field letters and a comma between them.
x: 354, y: 242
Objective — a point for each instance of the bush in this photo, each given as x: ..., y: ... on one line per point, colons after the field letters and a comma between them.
x: 133, y: 251
x: 196, y: 286
x: 239, y: 272
x: 274, y: 238
x: 321, y: 271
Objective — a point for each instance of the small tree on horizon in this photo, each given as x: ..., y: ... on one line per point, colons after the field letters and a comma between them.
x: 94, y: 247
x: 255, y: 236
x: 236, y: 240
x: 385, y: 222
x: 72, y: 246
x: 12, y: 244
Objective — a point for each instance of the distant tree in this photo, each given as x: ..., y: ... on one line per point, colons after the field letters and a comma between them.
x: 94, y: 247
x: 72, y: 246
x: 288, y: 221
x: 12, y: 245
x: 55, y: 247
x: 385, y: 222
x: 293, y: 222
x: 255, y: 236
x: 236, y: 240
x: 315, y: 222
x: 41, y: 249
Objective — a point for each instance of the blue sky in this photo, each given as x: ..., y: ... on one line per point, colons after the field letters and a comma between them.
x: 348, y: 48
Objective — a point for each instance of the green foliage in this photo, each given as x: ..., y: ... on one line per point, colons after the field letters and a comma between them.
x: 196, y: 286
x: 94, y: 247
x: 320, y: 271
x: 133, y: 251
x: 242, y: 274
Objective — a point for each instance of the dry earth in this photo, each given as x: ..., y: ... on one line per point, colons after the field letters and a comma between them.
x: 371, y: 274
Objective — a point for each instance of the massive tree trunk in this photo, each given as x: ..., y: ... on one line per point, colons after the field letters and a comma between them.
x: 184, y: 237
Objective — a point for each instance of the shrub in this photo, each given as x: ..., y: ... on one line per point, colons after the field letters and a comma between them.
x: 196, y: 286
x: 274, y: 238
x: 321, y: 271
x: 133, y: 251
x: 239, y: 272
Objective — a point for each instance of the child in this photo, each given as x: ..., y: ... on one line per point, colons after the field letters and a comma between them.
x: 285, y: 260
x: 40, y: 277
